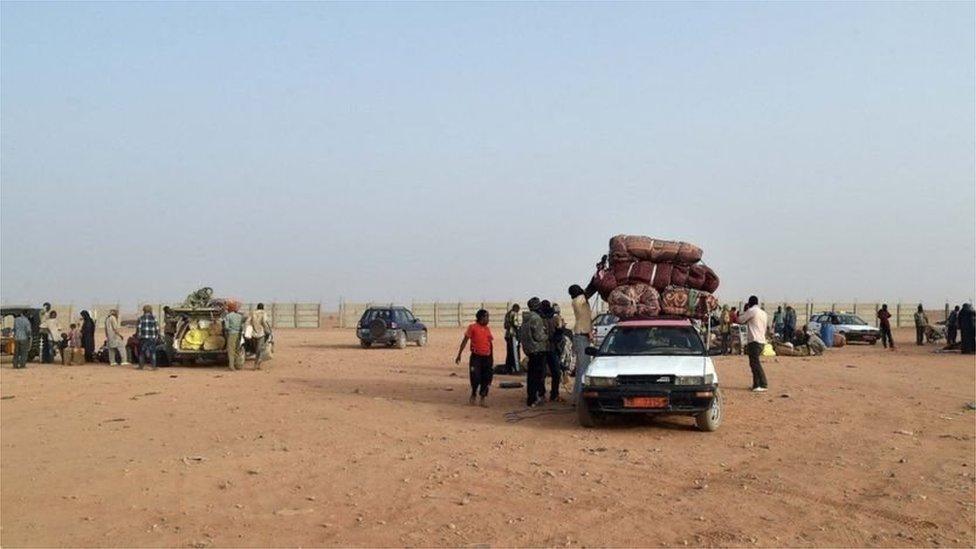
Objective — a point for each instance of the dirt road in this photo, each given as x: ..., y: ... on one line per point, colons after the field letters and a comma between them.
x: 336, y: 445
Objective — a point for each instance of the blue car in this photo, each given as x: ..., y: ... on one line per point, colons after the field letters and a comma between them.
x: 391, y: 326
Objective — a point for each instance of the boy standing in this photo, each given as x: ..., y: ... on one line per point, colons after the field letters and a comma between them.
x: 481, y: 364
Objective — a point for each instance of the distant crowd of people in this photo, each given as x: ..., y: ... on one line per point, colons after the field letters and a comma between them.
x: 76, y: 345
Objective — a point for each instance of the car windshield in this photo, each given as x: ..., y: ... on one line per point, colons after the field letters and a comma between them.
x: 850, y: 319
x: 652, y: 340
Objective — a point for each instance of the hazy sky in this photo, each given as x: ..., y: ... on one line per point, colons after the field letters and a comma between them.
x: 483, y: 151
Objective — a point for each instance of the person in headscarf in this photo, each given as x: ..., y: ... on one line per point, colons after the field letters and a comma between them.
x: 88, y: 335
x: 967, y: 329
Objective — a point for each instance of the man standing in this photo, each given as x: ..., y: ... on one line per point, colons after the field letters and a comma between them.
x: 512, y: 325
x: 51, y: 330
x: 789, y: 324
x: 481, y: 364
x: 259, y: 332
x: 233, y: 326
x: 755, y: 320
x: 921, y: 321
x: 967, y: 329
x: 148, y: 331
x: 116, y: 343
x: 725, y: 329
x: 778, y: 320
x: 952, y: 326
x: 884, y: 324
x: 22, y: 340
x: 582, y: 330
x: 532, y: 336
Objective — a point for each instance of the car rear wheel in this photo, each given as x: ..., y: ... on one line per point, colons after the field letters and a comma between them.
x: 365, y: 343
x: 422, y: 340
x: 587, y: 418
x: 710, y: 419
x: 401, y: 340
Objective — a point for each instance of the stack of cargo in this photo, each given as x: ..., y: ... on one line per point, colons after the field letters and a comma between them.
x: 643, y: 277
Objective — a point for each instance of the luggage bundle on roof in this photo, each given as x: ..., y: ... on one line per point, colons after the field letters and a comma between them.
x: 642, y: 277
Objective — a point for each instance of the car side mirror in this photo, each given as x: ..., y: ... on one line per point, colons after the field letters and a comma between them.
x: 592, y: 351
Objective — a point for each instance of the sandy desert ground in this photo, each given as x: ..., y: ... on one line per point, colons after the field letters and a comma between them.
x: 336, y: 445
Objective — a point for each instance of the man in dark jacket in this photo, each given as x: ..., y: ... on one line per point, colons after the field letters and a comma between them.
x: 534, y: 340
x: 789, y: 324
x: 952, y: 325
x: 884, y: 324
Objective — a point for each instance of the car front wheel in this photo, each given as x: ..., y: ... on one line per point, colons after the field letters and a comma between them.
x: 422, y: 340
x: 710, y: 419
x: 586, y: 416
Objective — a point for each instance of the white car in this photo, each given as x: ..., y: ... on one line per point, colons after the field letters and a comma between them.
x: 851, y: 326
x: 656, y: 366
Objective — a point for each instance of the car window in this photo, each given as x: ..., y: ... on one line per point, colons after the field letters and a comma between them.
x: 605, y: 320
x: 408, y: 317
x: 852, y: 320
x: 652, y: 340
x: 372, y: 314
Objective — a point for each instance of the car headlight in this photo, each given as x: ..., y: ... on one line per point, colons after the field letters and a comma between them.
x: 694, y: 380
x: 594, y: 381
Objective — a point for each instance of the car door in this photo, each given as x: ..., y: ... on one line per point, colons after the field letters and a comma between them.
x: 409, y: 324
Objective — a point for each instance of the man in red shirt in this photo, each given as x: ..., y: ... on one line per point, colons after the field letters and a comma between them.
x: 884, y: 323
x: 481, y: 365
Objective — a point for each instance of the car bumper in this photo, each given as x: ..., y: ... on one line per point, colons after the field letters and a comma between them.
x: 866, y: 337
x: 388, y: 337
x: 681, y: 399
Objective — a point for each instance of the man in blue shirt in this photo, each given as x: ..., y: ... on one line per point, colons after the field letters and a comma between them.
x: 22, y: 340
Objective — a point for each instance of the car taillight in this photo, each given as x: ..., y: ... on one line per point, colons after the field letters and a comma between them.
x: 393, y: 325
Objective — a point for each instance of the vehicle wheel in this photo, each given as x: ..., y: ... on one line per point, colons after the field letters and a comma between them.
x: 710, y: 419
x: 422, y: 340
x: 586, y: 417
x: 401, y: 340
x: 365, y: 343
x: 873, y: 341
x: 377, y: 328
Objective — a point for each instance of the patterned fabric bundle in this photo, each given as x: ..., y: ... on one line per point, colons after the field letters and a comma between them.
x: 662, y: 275
x: 634, y: 301
x: 676, y: 300
x: 628, y: 247
x: 642, y: 276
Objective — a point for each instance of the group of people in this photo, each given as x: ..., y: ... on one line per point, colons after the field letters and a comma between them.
x: 77, y: 345
x: 542, y: 335
x: 962, y: 322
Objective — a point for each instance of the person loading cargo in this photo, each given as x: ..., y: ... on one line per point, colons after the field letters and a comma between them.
x: 754, y: 319
x: 481, y: 364
x: 581, y: 334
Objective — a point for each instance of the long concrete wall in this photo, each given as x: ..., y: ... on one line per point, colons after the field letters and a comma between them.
x: 453, y: 314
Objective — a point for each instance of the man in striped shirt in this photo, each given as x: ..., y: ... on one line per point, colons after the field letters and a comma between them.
x: 148, y: 332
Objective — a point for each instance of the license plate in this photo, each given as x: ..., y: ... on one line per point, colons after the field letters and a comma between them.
x: 645, y: 402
